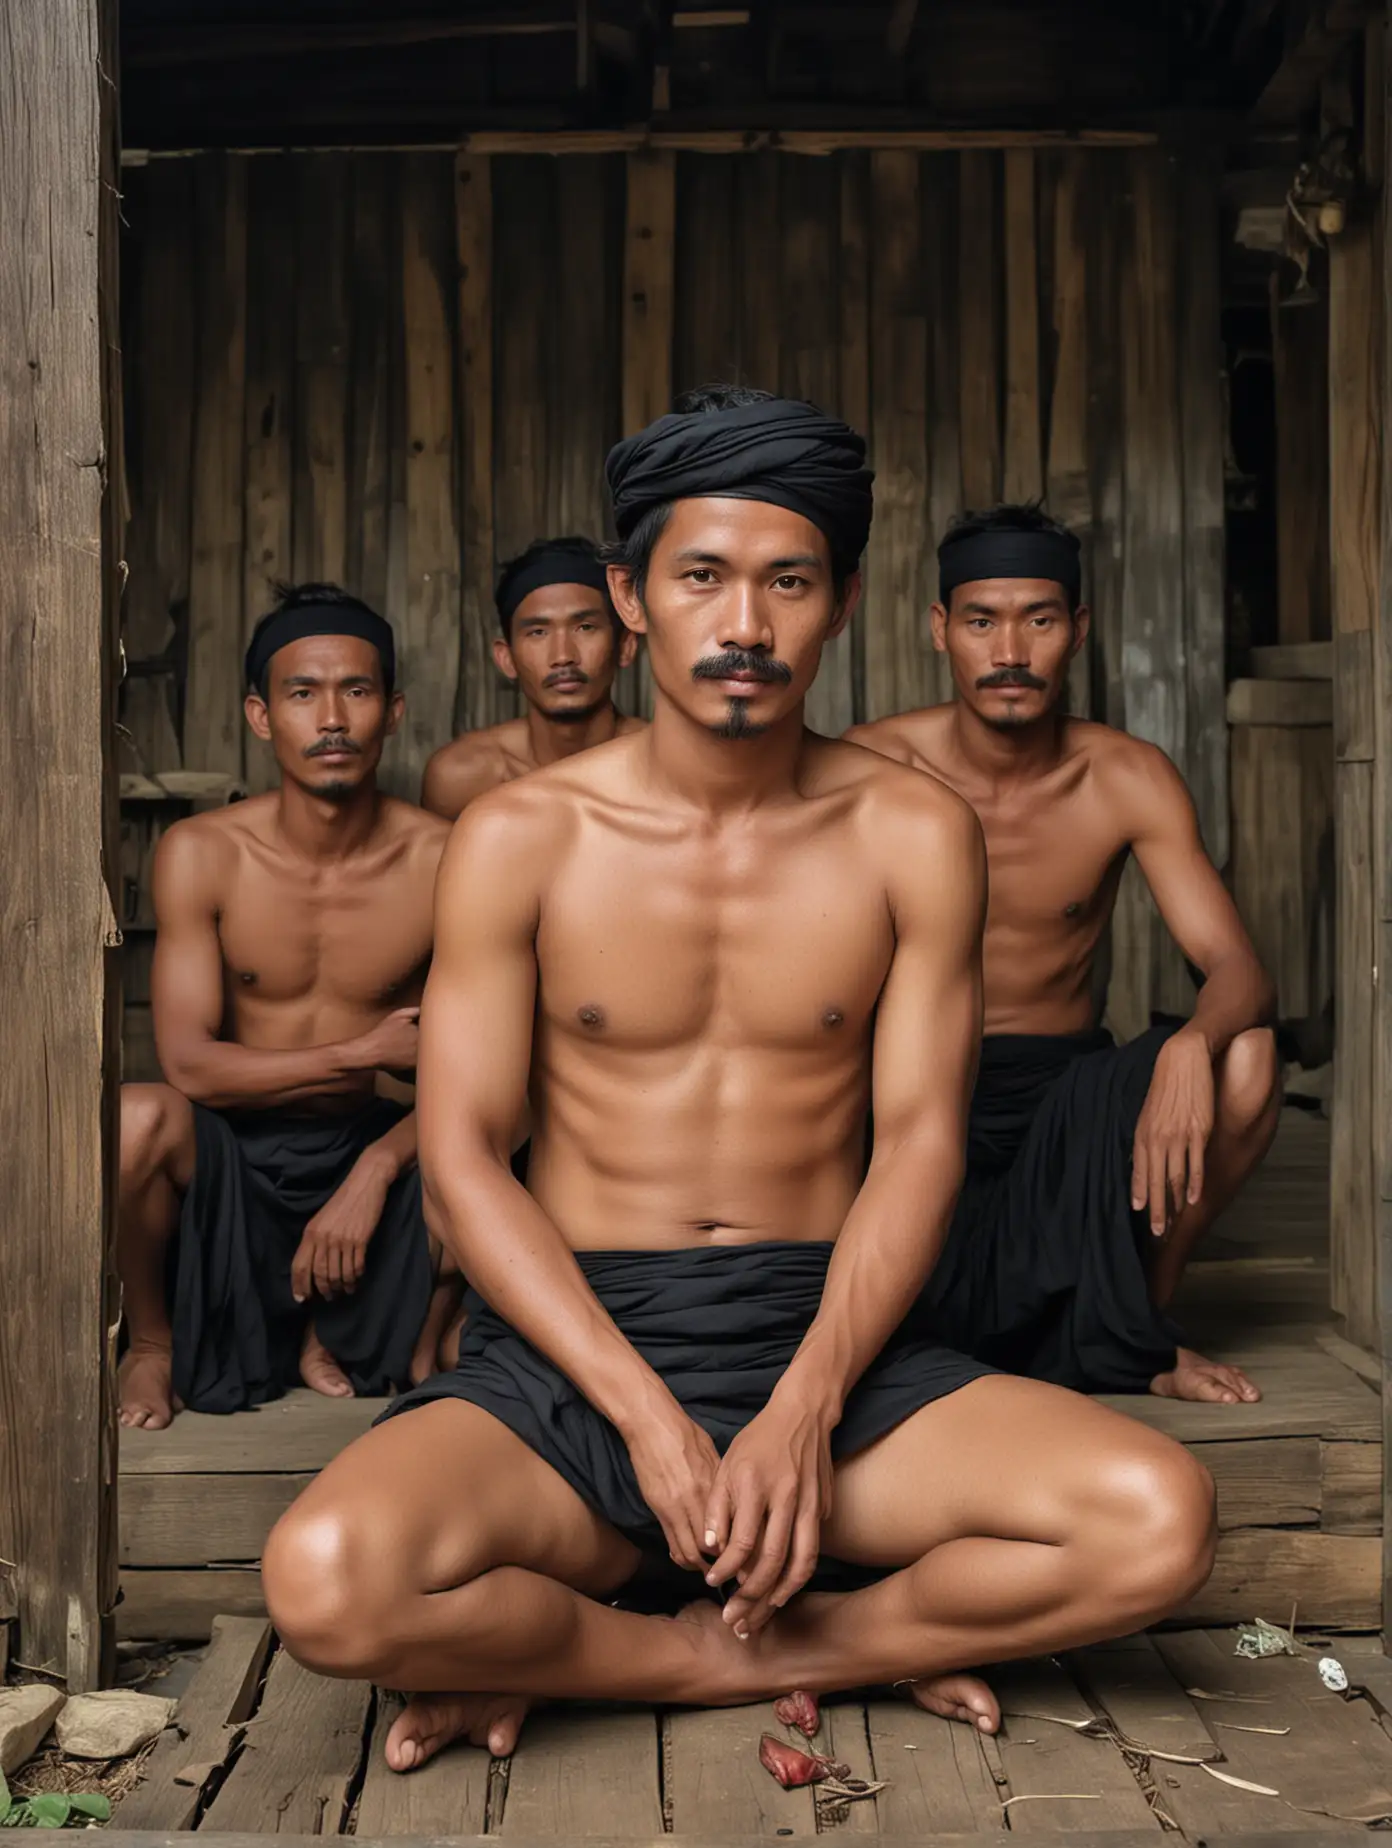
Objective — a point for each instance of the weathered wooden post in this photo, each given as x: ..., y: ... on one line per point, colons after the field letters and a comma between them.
x: 58, y: 547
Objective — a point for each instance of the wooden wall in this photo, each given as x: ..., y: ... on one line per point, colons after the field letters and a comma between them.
x: 397, y: 369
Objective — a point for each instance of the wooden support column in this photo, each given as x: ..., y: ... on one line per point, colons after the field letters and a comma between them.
x: 58, y: 593
x: 1378, y: 1277
x: 649, y: 273
x: 473, y: 225
x: 1355, y: 489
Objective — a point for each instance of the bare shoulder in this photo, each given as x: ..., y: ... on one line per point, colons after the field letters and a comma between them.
x: 1134, y: 777
x: 628, y: 724
x: 898, y: 807
x: 906, y: 737
x: 516, y: 829
x: 198, y: 856
x: 417, y: 830
x: 468, y: 766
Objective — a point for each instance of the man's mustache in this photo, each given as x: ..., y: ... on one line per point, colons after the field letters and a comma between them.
x: 336, y: 745
x: 741, y: 661
x: 566, y: 674
x: 1012, y: 677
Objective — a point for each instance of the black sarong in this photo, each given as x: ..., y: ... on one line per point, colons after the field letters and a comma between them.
x: 719, y: 1325
x: 1044, y: 1271
x: 258, y: 1179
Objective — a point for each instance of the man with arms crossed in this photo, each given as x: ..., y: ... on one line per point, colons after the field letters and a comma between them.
x: 1076, y: 1146
x: 294, y: 933
x: 686, y: 1336
x: 562, y: 642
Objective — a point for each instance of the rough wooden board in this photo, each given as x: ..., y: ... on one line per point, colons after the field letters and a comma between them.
x: 1271, y: 883
x: 579, y: 1773
x: 321, y: 367
x: 1305, y: 1394
x: 299, y: 1755
x: 183, y: 1606
x: 707, y: 294
x: 200, y: 1520
x: 213, y: 691
x: 478, y: 702
x: 1043, y: 1759
x: 1262, y: 1571
x: 1294, y: 661
x: 1359, y: 1360
x: 647, y: 326
x: 853, y: 403
x: 1353, y: 1248
x: 845, y: 1737
x: 270, y: 396
x: 1351, y: 1497
x: 448, y: 1796
x: 374, y: 427
x: 1280, y: 702
x: 299, y: 1432
x: 1299, y: 347
x: 939, y: 1780
x: 1335, y: 1755
x: 206, y: 1726
x: 939, y: 203
x: 896, y: 673
x: 979, y: 279
x: 1105, y: 1838
x: 715, y: 1784
x: 758, y: 186
x: 1024, y: 469
x: 1068, y: 483
x: 1267, y: 1482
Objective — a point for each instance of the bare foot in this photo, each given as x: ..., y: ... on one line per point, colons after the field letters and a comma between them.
x: 319, y: 1369
x: 1206, y: 1381
x: 147, y: 1399
x: 958, y: 1697
x: 433, y: 1721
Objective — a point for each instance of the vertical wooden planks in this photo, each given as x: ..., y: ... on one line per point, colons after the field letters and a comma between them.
x: 940, y: 186
x: 1355, y: 490
x: 759, y: 184
x: 428, y: 627
x: 979, y: 283
x: 1199, y: 311
x: 321, y: 368
x: 373, y: 426
x: 853, y: 273
x: 1068, y: 486
x: 894, y: 660
x: 1024, y: 470
x: 213, y: 705
x: 478, y: 701
x: 808, y: 366
x: 649, y: 271
x: 58, y: 591
x: 1106, y: 417
x: 1153, y: 567
x: 160, y: 397
x: 706, y: 333
x: 1299, y: 350
x: 270, y: 395
x: 587, y: 385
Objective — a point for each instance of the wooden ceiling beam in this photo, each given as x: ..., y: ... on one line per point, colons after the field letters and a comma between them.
x: 185, y: 43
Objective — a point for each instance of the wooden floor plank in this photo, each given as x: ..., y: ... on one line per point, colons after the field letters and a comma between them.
x: 448, y: 1796
x: 207, y: 1725
x: 716, y: 1786
x: 939, y: 1780
x: 299, y: 1432
x: 1107, y: 1838
x: 1306, y: 1393
x: 578, y: 1772
x: 844, y: 1736
x: 1335, y: 1755
x: 1087, y: 1780
x: 299, y: 1756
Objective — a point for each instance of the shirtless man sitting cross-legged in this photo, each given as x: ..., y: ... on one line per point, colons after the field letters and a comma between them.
x: 562, y: 643
x: 703, y: 944
x: 294, y: 932
x: 1075, y: 1146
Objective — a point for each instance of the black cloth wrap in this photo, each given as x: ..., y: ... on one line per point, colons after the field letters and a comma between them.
x: 258, y: 1179
x: 1056, y: 557
x: 557, y: 567
x: 1044, y: 1270
x: 780, y: 451
x: 320, y: 619
x: 719, y: 1325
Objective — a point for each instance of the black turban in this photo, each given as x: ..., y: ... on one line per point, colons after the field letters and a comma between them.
x: 551, y: 565
x: 1055, y: 557
x: 282, y: 627
x: 776, y: 450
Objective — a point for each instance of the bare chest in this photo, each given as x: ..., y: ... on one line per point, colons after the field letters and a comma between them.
x: 746, y: 945
x: 363, y: 943
x: 1053, y: 864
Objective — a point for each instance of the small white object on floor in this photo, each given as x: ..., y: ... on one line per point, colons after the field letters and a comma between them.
x: 25, y: 1717
x: 111, y: 1725
x: 1331, y: 1673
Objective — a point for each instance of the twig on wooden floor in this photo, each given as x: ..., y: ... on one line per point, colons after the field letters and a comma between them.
x: 1053, y: 1796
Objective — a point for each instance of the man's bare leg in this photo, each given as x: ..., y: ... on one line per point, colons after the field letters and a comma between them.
x: 157, y: 1154
x: 1247, y: 1083
x: 439, y: 1553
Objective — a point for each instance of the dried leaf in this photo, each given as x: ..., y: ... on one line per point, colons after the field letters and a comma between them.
x: 1240, y: 1783
x: 799, y: 1710
x: 1053, y: 1796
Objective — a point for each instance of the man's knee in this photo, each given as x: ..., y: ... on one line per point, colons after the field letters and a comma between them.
x: 332, y: 1610
x: 1250, y: 1087
x: 156, y: 1127
x: 1158, y: 1531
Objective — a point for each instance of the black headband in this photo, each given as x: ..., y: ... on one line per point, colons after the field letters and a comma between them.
x: 282, y: 627
x: 557, y: 566
x: 777, y: 450
x: 1056, y: 557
